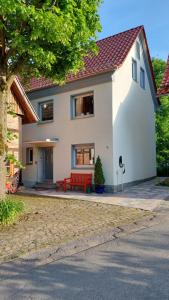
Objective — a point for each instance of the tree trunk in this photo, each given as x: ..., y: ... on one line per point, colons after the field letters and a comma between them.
x: 3, y: 134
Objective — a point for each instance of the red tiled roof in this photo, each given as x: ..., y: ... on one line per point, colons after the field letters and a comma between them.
x: 164, y: 88
x: 112, y: 53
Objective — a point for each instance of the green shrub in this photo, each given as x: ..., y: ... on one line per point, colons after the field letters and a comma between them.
x: 10, y: 210
x: 98, y: 173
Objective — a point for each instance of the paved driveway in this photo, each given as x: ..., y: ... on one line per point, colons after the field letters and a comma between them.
x: 147, y: 196
x: 135, y: 267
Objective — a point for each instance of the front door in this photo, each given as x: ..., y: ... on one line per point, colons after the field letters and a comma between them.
x: 47, y: 163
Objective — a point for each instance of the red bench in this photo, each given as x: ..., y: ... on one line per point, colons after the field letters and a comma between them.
x: 78, y: 179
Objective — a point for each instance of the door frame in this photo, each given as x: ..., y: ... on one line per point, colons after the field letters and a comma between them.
x: 41, y: 164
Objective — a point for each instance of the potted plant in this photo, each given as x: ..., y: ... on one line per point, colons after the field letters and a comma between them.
x: 99, y: 179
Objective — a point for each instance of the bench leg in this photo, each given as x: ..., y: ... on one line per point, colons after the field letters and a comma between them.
x: 64, y: 187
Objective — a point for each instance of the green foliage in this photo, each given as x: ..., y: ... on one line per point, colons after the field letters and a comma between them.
x: 164, y: 182
x: 159, y: 66
x: 162, y: 131
x: 11, y: 136
x: 10, y: 210
x: 48, y: 38
x: 11, y: 157
x: 162, y: 116
x: 98, y: 172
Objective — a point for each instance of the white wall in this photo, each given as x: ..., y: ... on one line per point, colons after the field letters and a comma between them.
x: 97, y: 130
x: 123, y: 124
x: 133, y: 124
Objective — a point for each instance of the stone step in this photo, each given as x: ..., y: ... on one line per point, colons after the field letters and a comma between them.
x: 45, y: 185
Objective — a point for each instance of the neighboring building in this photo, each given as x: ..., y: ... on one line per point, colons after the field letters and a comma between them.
x: 107, y: 109
x: 164, y: 87
x: 20, y: 105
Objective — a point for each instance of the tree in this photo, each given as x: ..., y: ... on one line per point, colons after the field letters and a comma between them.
x: 98, y: 173
x: 162, y: 116
x: 46, y: 38
x: 159, y: 66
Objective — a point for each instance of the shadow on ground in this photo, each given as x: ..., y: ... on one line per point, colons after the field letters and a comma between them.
x: 135, y: 267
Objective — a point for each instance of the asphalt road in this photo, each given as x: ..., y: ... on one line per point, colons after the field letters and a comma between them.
x: 133, y: 267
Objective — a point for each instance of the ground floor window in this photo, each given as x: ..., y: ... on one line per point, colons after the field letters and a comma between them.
x: 83, y: 155
x: 29, y: 156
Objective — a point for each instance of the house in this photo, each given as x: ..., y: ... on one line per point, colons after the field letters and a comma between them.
x: 20, y: 105
x: 164, y: 88
x: 107, y: 109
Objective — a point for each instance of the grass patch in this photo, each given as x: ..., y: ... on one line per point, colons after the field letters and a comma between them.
x: 10, y: 210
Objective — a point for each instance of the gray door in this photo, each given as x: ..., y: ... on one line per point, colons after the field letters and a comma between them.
x: 48, y: 163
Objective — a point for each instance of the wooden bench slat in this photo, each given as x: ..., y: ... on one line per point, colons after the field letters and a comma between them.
x: 78, y: 179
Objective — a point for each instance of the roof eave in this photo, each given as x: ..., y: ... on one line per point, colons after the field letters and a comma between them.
x: 30, y: 115
x: 108, y: 70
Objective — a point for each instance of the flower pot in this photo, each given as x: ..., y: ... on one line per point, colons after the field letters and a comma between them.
x: 99, y: 189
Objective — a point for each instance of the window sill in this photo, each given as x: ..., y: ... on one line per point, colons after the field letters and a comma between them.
x: 83, y: 168
x: 45, y: 122
x: 83, y: 117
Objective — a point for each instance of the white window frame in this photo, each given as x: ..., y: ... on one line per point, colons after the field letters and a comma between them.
x: 82, y: 146
x: 134, y: 69
x: 40, y: 104
x: 28, y: 160
x: 73, y: 108
x: 142, y: 78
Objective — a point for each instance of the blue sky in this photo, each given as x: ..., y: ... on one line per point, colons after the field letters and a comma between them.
x: 120, y: 15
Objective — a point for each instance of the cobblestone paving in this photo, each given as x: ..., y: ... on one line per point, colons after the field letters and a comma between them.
x: 48, y: 222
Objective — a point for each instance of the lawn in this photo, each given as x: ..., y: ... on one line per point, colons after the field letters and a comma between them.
x: 48, y: 221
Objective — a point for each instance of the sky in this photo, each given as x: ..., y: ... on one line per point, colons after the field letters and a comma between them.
x: 120, y: 15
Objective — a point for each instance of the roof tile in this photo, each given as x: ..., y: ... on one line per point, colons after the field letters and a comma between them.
x: 164, y: 88
x: 112, y: 53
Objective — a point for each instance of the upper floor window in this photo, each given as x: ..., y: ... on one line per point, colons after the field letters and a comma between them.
x: 46, y: 110
x: 134, y: 69
x: 83, y: 105
x: 142, y: 78
x: 138, y: 50
x: 83, y: 155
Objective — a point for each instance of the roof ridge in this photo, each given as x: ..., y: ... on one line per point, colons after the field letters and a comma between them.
x: 122, y: 32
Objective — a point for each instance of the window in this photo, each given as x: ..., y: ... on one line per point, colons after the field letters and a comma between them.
x: 138, y: 50
x: 29, y: 156
x: 83, y: 105
x: 83, y: 155
x: 142, y: 78
x: 134, y: 69
x: 46, y: 111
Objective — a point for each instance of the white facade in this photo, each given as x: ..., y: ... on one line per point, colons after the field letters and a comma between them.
x: 123, y: 124
x: 133, y: 123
